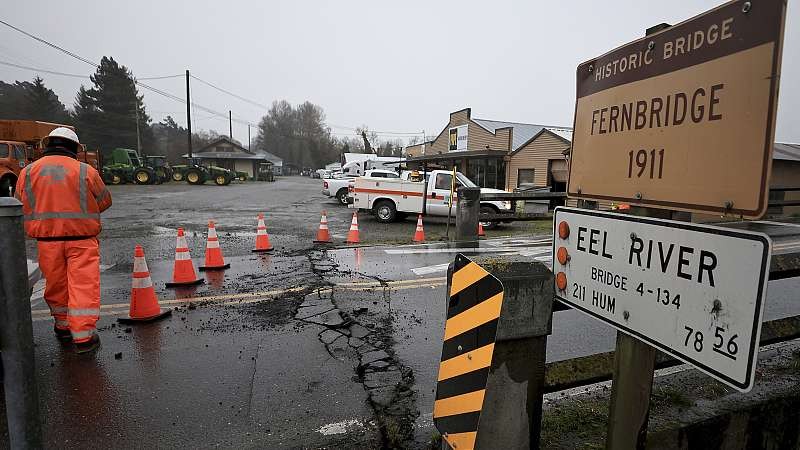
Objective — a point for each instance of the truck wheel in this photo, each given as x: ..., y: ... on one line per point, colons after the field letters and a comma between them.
x: 485, y: 209
x: 194, y: 176
x: 7, y: 187
x: 177, y: 176
x: 142, y: 176
x: 341, y: 195
x: 385, y: 211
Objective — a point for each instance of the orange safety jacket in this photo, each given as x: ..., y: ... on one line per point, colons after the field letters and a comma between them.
x: 62, y: 198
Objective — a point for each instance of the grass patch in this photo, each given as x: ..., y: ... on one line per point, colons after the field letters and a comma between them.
x: 575, y: 424
x: 669, y: 396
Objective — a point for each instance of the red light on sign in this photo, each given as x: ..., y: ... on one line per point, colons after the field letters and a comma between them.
x: 561, y: 281
x: 562, y: 255
x: 563, y: 230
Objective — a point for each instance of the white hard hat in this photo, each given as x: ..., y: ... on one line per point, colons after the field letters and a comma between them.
x: 63, y: 133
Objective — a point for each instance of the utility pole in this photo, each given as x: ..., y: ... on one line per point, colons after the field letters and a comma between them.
x: 188, y: 114
x: 138, y: 136
x: 423, y: 142
x: 248, y: 136
x: 230, y: 124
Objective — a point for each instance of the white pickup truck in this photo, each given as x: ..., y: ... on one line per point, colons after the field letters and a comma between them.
x: 339, y: 187
x: 393, y: 199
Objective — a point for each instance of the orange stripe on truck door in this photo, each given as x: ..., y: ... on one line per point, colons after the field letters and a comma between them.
x: 388, y: 192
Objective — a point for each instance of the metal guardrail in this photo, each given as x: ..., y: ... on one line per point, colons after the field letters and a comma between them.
x: 516, y: 198
x: 586, y: 370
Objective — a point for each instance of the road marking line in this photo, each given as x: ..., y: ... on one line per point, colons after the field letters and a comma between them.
x: 430, y: 269
x: 535, y: 252
x: 448, y: 250
x: 255, y: 297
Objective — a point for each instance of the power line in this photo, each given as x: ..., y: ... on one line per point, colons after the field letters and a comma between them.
x: 260, y: 105
x: 180, y: 75
x: 51, y: 72
x: 138, y: 83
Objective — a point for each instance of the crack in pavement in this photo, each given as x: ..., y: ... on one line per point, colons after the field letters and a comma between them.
x: 386, y: 380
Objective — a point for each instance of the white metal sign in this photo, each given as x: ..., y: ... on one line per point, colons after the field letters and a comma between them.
x: 693, y: 291
x: 458, y: 138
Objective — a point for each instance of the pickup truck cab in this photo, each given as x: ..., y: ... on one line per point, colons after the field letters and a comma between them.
x: 12, y: 159
x: 392, y: 199
x: 339, y: 187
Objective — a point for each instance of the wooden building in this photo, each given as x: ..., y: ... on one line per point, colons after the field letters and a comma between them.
x: 497, y: 154
x: 230, y: 155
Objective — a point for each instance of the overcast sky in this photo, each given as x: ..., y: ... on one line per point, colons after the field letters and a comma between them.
x: 399, y: 66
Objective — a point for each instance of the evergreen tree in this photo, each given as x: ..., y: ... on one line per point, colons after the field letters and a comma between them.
x: 85, y: 116
x: 41, y: 103
x: 117, y: 102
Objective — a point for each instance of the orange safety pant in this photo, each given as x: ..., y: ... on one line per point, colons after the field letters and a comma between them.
x: 72, y: 273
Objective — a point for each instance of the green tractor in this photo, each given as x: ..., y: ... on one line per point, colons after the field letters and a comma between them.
x: 160, y: 166
x: 123, y: 165
x: 196, y: 173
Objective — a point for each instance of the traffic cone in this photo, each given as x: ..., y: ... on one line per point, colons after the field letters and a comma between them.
x: 352, y: 235
x: 214, y: 259
x: 183, y: 273
x: 262, y: 238
x: 144, y: 303
x: 419, y: 235
x: 480, y: 230
x: 323, y: 235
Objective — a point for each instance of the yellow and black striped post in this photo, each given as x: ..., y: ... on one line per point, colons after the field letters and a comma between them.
x: 473, y: 311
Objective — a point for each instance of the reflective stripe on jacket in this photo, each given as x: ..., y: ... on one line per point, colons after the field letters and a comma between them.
x: 62, y: 198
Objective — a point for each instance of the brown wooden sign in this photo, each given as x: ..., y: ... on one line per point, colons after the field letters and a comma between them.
x: 683, y: 119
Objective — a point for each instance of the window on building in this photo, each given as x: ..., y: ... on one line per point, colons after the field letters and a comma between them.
x: 525, y: 177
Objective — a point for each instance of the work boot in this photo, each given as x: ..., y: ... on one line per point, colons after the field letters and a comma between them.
x: 91, y: 345
x: 62, y: 335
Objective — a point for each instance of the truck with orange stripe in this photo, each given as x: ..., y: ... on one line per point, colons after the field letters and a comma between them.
x: 391, y: 199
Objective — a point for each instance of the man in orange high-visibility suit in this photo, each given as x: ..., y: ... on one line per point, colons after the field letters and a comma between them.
x: 62, y: 199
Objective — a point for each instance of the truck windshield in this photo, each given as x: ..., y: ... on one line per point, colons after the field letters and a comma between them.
x: 464, y: 180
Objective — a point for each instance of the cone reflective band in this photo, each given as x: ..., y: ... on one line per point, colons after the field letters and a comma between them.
x: 419, y: 233
x: 183, y: 273
x: 473, y: 311
x: 323, y: 235
x: 214, y: 259
x: 352, y: 235
x: 144, y: 303
x: 262, y: 238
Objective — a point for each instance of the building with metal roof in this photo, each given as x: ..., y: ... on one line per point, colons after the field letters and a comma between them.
x: 498, y: 154
x: 229, y: 154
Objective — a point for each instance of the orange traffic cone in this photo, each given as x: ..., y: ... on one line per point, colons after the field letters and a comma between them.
x: 183, y: 273
x: 262, y: 238
x: 144, y: 303
x: 323, y: 236
x: 419, y: 235
x: 352, y: 235
x: 214, y: 259
x: 480, y: 230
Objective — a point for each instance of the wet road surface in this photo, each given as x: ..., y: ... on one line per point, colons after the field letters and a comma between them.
x: 307, y: 347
